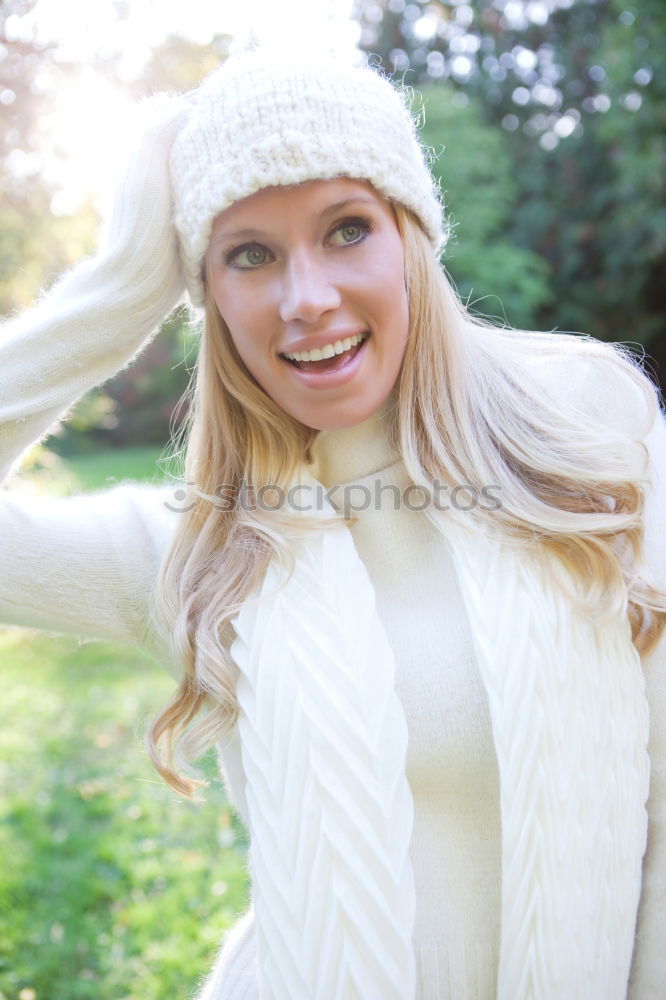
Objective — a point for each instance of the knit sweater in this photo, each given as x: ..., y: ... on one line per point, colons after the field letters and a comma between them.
x: 88, y: 565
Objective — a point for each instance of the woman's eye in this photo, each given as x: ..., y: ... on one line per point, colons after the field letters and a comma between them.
x: 349, y: 232
x: 248, y: 257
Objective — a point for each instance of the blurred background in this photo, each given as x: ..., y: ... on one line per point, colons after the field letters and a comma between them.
x: 546, y: 117
x: 546, y: 120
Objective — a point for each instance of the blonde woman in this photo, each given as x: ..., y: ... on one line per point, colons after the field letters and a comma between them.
x: 414, y: 591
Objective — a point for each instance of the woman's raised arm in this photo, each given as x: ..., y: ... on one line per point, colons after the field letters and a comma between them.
x: 98, y: 316
x: 87, y: 564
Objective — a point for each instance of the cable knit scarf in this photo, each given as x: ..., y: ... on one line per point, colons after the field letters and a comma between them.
x: 324, y: 739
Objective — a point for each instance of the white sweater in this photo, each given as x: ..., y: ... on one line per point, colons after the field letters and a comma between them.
x: 451, y: 765
x: 88, y: 564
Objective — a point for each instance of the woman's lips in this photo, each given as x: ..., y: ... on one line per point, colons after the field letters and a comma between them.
x: 333, y: 364
x: 329, y: 372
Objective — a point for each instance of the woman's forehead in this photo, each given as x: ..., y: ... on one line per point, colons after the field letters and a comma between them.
x: 311, y: 198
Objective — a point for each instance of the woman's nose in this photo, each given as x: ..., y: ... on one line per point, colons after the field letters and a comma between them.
x: 307, y: 290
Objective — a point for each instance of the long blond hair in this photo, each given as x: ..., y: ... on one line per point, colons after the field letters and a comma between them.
x: 476, y: 404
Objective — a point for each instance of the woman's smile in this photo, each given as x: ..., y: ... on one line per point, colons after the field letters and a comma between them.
x: 335, y: 356
x: 310, y: 283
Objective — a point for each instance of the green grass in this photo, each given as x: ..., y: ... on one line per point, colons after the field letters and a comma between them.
x: 111, y: 886
x: 97, y: 471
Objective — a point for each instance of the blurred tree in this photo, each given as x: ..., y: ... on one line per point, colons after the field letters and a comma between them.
x: 37, y: 244
x: 179, y: 64
x: 491, y: 274
x: 579, y: 85
x: 34, y: 244
x: 145, y: 402
x: 140, y: 405
x: 634, y: 133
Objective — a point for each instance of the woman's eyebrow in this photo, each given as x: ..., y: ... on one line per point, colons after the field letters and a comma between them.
x: 249, y: 233
x: 238, y: 234
x: 354, y: 200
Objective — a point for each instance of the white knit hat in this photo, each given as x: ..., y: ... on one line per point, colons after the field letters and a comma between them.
x: 259, y: 121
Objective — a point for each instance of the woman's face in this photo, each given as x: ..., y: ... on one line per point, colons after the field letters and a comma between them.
x: 310, y: 282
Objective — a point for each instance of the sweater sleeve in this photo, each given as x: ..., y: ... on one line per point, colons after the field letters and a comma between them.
x: 88, y: 564
x: 85, y: 565
x: 648, y: 976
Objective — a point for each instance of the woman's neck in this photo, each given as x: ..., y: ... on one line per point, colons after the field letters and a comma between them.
x: 356, y: 452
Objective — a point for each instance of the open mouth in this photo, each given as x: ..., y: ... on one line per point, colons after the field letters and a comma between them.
x: 330, y: 358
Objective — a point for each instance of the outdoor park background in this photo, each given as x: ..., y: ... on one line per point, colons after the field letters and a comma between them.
x: 551, y: 114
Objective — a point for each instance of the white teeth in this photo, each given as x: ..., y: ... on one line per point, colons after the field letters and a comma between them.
x: 328, y: 350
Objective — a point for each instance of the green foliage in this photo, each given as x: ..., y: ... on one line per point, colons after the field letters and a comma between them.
x: 143, y: 403
x: 634, y: 132
x: 115, y: 886
x: 147, y: 394
x: 594, y: 204
x: 475, y: 174
x: 44, y: 471
x: 582, y: 98
x: 104, y: 469
x: 34, y: 245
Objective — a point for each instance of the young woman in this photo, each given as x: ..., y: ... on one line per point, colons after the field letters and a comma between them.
x: 413, y: 589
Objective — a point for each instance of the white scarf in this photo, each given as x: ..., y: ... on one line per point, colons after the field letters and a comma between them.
x: 324, y: 738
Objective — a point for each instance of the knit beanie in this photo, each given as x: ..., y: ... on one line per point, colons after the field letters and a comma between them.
x: 261, y: 121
